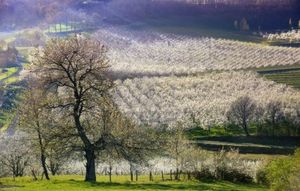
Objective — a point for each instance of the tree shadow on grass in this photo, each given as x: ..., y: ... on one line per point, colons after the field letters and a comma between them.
x: 9, y: 186
x: 211, y: 185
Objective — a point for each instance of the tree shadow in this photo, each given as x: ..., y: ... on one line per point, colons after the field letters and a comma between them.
x: 207, y: 185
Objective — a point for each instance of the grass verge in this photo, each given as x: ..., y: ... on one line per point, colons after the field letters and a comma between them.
x: 75, y: 183
x: 7, y: 72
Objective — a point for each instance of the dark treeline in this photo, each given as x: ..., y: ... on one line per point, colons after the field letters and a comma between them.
x: 267, y: 15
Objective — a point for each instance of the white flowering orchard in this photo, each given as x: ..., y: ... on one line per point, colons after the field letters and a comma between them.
x: 155, y: 54
x: 165, y: 100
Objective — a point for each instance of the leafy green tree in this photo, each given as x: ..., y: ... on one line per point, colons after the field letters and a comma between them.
x: 283, y: 173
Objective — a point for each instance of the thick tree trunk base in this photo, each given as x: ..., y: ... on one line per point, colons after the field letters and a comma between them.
x: 90, y: 175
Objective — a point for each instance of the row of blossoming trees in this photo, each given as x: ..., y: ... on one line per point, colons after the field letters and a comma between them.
x: 156, y: 54
x: 208, y: 98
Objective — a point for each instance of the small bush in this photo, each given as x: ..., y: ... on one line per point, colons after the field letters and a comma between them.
x: 261, y: 177
x: 284, y: 173
x: 233, y: 175
x: 204, y: 174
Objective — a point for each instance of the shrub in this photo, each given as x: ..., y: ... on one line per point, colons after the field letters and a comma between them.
x: 261, y: 177
x: 204, y: 174
x: 284, y: 173
x: 223, y: 173
x: 233, y: 175
x: 228, y: 166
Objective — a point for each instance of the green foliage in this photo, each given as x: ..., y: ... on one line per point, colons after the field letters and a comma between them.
x: 197, y: 132
x: 231, y: 136
x: 278, y: 173
x: 218, y: 130
x: 261, y: 177
x: 11, y: 80
x: 284, y: 173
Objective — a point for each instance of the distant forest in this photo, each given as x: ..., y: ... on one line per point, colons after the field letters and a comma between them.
x: 270, y: 14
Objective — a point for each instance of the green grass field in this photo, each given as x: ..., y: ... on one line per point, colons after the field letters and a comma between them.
x: 289, y: 75
x: 7, y: 73
x: 59, y: 28
x: 6, y: 119
x: 76, y: 183
x: 291, y: 78
x: 218, y: 138
x: 11, y: 80
x: 8, y: 76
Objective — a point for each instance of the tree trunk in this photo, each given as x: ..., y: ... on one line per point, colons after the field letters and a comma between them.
x: 131, y: 175
x: 33, y: 175
x: 43, y: 161
x: 90, y: 175
x: 273, y: 125
x: 150, y: 177
x: 177, y: 174
x: 54, y: 167
x: 110, y: 173
x: 245, y: 126
x: 43, y: 156
x: 246, y: 131
x: 136, y: 176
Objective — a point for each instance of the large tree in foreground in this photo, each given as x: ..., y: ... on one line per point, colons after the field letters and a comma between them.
x: 73, y: 73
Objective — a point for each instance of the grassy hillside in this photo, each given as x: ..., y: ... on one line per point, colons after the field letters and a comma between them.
x: 291, y: 78
x: 289, y: 75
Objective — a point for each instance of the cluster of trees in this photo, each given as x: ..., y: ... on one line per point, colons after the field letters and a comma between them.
x: 178, y: 159
x: 68, y: 108
x: 242, y: 25
x: 291, y: 36
x: 270, y: 120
